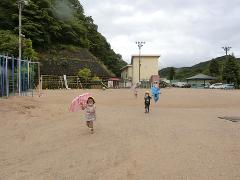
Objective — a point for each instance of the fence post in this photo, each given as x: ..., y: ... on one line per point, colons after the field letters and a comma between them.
x: 39, y: 80
x: 1, y: 76
x: 13, y: 83
x: 6, y: 72
x: 21, y: 78
x: 28, y: 75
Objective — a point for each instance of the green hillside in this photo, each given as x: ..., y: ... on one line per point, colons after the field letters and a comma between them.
x: 70, y: 61
x: 185, y: 72
x: 55, y: 25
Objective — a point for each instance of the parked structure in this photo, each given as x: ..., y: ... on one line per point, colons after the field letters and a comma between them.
x: 200, y: 80
x: 113, y: 83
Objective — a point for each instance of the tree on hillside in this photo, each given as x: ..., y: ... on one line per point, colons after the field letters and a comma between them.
x: 84, y: 73
x: 28, y: 51
x: 9, y: 45
x: 214, y: 68
x: 52, y: 24
x: 8, y: 10
x: 96, y: 78
x: 231, y: 71
x: 172, y: 74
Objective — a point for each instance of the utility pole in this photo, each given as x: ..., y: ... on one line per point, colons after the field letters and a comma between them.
x: 140, y: 45
x: 20, y: 46
x: 21, y: 3
x: 226, y: 49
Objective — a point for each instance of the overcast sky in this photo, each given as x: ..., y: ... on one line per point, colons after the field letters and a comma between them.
x: 183, y: 32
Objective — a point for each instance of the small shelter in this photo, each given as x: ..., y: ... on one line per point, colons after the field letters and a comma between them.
x: 200, y: 80
x: 113, y: 82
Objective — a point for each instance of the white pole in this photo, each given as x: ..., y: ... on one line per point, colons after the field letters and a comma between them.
x: 7, y: 82
x: 139, y: 64
x: 20, y: 47
x: 28, y: 75
x: 140, y: 45
x: 39, y: 80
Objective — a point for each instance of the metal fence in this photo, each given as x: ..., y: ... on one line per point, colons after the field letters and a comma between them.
x: 18, y: 77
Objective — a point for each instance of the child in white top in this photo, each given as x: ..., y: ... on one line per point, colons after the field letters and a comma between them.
x: 90, y: 113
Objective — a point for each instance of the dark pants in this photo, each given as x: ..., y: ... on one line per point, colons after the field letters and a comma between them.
x: 147, y: 107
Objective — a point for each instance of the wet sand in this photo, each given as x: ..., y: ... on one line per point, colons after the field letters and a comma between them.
x: 182, y: 137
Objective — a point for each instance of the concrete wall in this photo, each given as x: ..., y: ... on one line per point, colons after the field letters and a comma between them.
x: 126, y: 76
x: 125, y: 84
x: 135, y: 71
x: 130, y: 71
x: 126, y: 73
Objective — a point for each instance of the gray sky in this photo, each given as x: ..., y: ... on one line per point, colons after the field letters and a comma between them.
x: 184, y: 32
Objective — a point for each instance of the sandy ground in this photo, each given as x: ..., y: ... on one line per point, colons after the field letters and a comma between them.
x: 181, y: 139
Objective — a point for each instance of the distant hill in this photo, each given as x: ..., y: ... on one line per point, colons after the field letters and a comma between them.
x: 185, y: 72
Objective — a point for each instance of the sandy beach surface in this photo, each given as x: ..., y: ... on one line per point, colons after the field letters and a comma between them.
x: 181, y: 138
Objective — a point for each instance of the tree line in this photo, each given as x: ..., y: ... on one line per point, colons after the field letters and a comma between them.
x: 227, y: 70
x: 53, y: 24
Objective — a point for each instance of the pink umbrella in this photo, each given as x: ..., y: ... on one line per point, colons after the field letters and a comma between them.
x: 79, y: 102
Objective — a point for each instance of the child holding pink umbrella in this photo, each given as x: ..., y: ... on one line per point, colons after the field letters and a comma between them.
x: 87, y: 103
x: 90, y: 113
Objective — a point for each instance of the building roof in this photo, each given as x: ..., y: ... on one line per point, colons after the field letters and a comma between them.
x: 201, y: 77
x: 114, y: 79
x: 125, y: 67
x: 150, y: 55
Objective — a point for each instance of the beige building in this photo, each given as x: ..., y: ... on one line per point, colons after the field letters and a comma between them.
x: 147, y: 67
x: 143, y: 70
x: 126, y: 75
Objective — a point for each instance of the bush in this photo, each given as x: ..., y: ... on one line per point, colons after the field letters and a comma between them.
x: 96, y: 78
x: 84, y: 73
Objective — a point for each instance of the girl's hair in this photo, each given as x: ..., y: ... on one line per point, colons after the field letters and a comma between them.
x: 92, y: 99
